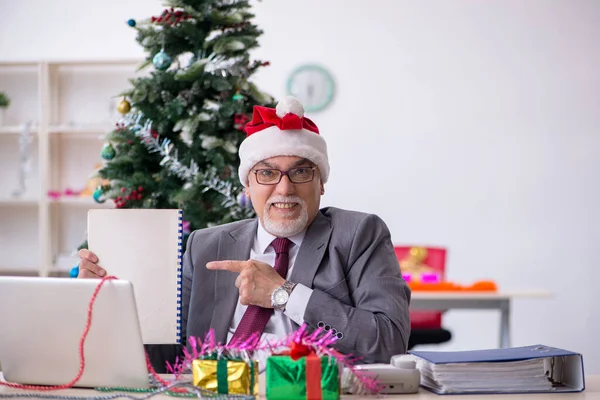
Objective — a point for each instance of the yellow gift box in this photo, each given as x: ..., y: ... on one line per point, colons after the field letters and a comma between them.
x: 226, y: 376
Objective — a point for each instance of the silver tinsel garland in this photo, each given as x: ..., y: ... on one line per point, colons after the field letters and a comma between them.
x: 210, y: 179
x: 165, y: 148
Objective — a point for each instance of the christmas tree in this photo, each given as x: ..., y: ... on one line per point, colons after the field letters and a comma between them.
x: 176, y: 144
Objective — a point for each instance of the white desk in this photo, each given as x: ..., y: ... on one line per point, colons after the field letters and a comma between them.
x: 592, y: 392
x: 422, y: 300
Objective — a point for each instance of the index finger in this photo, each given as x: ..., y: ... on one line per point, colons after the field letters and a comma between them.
x: 228, y: 265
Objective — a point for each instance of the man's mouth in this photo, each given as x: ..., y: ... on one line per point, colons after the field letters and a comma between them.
x: 284, y: 205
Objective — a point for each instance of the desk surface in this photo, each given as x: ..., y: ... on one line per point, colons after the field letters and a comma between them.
x: 592, y: 392
x: 508, y: 295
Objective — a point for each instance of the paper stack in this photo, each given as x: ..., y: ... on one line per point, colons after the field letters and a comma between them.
x: 521, y: 376
x: 514, y: 370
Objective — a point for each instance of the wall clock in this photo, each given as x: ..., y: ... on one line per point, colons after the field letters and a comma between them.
x: 313, y: 85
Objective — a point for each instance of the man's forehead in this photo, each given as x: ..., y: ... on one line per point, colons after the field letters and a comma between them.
x: 280, y: 161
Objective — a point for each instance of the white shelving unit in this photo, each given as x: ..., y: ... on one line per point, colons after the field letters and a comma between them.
x: 68, y: 107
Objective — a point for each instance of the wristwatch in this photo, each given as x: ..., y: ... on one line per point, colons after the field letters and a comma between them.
x: 281, y: 295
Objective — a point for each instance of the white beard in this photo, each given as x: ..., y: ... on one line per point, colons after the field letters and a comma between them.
x: 286, y: 228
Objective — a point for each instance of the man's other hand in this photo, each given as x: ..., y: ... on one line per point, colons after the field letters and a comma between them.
x: 88, y: 265
x: 255, y: 282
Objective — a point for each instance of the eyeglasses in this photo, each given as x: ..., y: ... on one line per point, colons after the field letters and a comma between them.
x: 272, y: 176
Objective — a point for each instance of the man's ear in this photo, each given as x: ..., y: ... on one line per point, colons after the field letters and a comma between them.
x: 247, y: 190
x: 322, y: 189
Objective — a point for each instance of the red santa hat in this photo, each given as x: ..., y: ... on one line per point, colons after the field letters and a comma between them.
x: 283, y: 131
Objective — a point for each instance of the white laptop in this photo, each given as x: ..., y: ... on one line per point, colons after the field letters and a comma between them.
x: 41, y: 324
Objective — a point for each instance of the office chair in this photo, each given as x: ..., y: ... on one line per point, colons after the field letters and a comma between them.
x: 426, y: 326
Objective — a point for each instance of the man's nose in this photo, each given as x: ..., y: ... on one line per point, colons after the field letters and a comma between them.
x: 285, y: 186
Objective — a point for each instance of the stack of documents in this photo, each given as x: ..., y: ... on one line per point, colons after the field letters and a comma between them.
x: 532, y: 369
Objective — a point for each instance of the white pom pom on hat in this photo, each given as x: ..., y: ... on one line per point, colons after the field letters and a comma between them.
x: 288, y: 105
x: 283, y: 131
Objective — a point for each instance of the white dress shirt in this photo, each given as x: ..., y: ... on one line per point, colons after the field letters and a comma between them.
x: 280, y: 323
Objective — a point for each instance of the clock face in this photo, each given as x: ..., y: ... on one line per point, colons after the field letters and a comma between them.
x: 313, y: 86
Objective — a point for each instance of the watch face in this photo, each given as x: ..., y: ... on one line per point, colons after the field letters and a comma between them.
x: 281, y: 297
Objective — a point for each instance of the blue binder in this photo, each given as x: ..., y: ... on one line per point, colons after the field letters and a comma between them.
x: 563, y: 370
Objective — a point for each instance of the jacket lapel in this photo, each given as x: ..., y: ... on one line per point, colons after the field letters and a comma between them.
x: 234, y: 245
x: 311, y: 251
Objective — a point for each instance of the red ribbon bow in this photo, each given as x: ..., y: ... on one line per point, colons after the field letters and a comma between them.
x: 264, y: 117
x: 313, y: 369
x: 299, y: 350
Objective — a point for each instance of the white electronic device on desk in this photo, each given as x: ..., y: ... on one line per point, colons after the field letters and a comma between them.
x: 400, y: 376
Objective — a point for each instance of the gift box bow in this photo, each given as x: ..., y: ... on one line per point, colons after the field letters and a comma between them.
x: 313, y: 372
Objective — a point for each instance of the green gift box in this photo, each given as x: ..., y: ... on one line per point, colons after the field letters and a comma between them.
x: 307, y: 378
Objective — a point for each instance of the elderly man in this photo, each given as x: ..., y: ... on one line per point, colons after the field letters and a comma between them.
x: 296, y: 263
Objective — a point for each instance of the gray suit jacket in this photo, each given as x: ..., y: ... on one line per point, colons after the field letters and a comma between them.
x: 348, y: 259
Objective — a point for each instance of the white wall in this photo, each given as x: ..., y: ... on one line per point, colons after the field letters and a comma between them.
x: 472, y: 125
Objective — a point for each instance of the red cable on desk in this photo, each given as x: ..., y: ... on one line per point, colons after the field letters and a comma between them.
x: 82, y: 355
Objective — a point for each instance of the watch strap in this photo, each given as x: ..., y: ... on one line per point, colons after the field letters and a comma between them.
x: 288, y: 286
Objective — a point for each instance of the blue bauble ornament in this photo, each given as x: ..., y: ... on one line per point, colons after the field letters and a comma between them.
x: 108, y: 152
x: 74, y: 272
x: 99, y: 196
x: 131, y: 23
x: 162, y: 61
x: 244, y: 201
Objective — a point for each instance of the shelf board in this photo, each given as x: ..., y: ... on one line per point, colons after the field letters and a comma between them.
x: 81, y: 202
x: 9, y: 201
x: 61, y: 269
x: 19, y: 67
x: 19, y: 63
x: 58, y: 273
x: 83, y: 130
x: 64, y: 263
x: 97, y: 63
x: 12, y: 271
x: 74, y: 62
x: 14, y: 130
